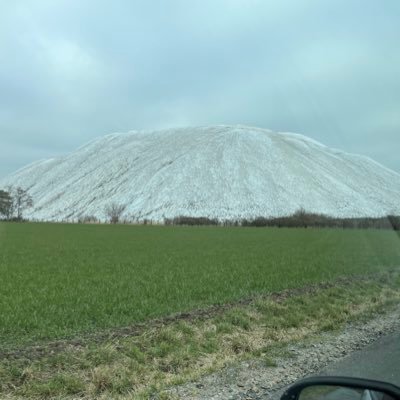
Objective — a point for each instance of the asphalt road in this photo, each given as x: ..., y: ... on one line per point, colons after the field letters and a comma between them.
x: 380, y: 361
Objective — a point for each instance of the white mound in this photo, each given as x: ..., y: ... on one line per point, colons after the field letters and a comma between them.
x: 224, y: 172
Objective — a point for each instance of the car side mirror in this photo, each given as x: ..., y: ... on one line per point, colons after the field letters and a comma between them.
x: 341, y: 388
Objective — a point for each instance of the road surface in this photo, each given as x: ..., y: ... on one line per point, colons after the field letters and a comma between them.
x: 380, y: 361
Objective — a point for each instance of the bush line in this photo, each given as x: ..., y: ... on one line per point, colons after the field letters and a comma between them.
x: 300, y: 219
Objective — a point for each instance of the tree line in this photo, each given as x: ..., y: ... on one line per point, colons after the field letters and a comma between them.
x: 114, y: 213
x: 300, y: 219
x: 13, y: 202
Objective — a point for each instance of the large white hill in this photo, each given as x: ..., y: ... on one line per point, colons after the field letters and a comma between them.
x: 225, y: 172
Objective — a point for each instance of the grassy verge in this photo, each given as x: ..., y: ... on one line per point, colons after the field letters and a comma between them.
x: 61, y: 281
x: 135, y: 367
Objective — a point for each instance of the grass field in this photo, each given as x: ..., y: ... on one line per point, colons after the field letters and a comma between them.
x: 146, y: 364
x: 65, y: 280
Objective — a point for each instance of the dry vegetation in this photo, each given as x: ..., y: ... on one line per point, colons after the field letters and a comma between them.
x: 142, y: 365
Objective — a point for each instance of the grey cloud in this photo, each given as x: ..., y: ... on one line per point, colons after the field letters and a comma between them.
x: 72, y: 71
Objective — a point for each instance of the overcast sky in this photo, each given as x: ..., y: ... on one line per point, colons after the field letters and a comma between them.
x: 72, y: 70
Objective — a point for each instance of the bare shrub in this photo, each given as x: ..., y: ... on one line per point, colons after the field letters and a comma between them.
x: 88, y: 219
x: 191, y: 221
x: 114, y: 212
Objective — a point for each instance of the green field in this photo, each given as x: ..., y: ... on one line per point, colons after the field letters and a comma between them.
x: 65, y: 280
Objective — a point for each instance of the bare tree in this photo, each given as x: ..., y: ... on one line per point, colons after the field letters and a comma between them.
x: 114, y: 212
x: 21, y: 200
x: 6, y: 204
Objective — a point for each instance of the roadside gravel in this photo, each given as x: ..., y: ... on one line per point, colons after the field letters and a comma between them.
x: 253, y: 380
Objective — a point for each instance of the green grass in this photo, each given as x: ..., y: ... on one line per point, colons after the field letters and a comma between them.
x: 65, y: 280
x: 138, y: 367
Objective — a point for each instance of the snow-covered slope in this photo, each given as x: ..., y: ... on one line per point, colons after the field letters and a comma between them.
x: 227, y: 172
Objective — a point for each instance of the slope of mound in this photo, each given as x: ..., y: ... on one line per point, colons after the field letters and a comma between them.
x: 225, y: 172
